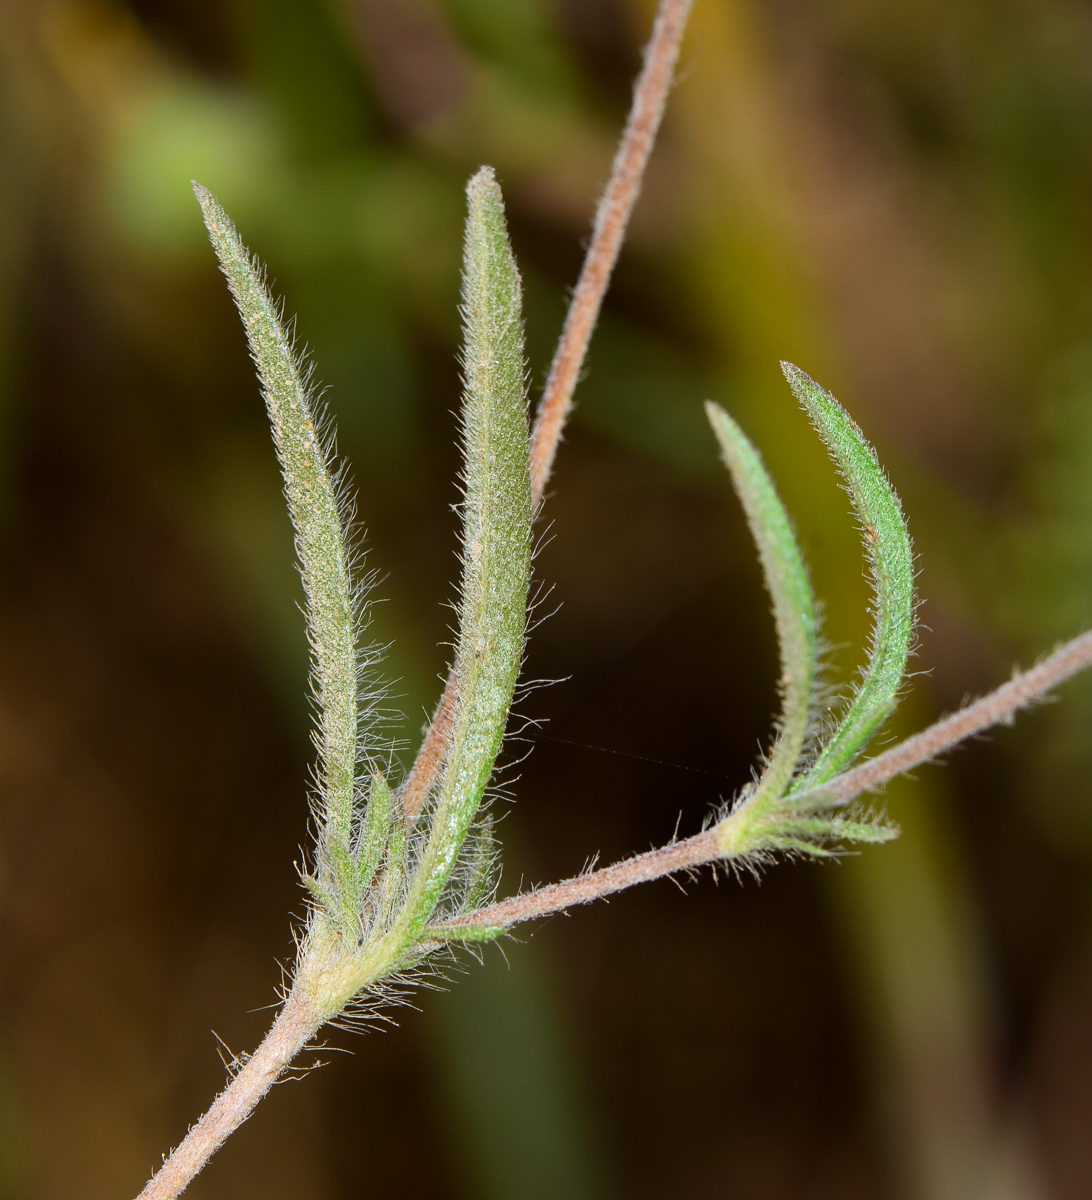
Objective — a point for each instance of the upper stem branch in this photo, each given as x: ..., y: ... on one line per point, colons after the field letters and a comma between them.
x: 611, y: 219
x: 580, y: 889
x: 996, y: 708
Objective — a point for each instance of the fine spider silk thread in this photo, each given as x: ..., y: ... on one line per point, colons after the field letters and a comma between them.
x: 660, y: 762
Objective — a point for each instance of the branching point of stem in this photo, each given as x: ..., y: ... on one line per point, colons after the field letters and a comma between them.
x: 997, y: 708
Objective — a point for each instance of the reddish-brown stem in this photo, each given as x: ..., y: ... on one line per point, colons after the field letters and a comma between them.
x: 430, y: 758
x: 295, y: 1025
x: 998, y: 707
x: 297, y: 1022
x: 678, y: 856
x: 611, y: 218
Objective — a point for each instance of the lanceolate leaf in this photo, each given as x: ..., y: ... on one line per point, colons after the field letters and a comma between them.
x: 479, y: 866
x: 887, y: 545
x: 496, y: 536
x: 376, y: 833
x: 789, y: 588
x: 324, y: 562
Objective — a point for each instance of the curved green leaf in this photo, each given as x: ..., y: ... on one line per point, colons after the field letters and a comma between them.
x: 790, y: 591
x: 887, y: 545
x: 332, y: 618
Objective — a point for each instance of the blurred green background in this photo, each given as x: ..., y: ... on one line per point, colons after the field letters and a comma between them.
x: 898, y: 198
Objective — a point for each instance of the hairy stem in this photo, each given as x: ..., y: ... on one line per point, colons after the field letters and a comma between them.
x: 295, y: 1025
x: 298, y: 1021
x: 430, y: 758
x: 611, y: 218
x: 580, y: 889
x: 997, y: 708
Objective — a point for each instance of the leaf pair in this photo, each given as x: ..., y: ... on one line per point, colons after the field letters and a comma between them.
x: 378, y: 878
x: 787, y: 809
x: 381, y: 879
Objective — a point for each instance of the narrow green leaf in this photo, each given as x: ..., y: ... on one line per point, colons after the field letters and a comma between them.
x: 790, y: 591
x: 396, y: 862
x: 803, y: 847
x: 834, y: 829
x: 318, y: 893
x: 376, y: 832
x: 863, y: 831
x: 479, y: 867
x: 496, y: 535
x: 887, y: 545
x: 468, y: 933
x: 320, y: 543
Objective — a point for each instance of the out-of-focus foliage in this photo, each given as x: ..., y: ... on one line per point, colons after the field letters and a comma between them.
x: 895, y: 197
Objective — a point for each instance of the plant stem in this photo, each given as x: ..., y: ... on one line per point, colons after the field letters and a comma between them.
x: 430, y: 758
x: 295, y: 1025
x: 997, y: 708
x: 580, y: 889
x: 298, y: 1021
x: 611, y: 218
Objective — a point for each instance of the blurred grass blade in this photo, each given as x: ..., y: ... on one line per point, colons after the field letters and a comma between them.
x: 790, y: 591
x: 310, y: 489
x: 496, y: 535
x: 887, y: 545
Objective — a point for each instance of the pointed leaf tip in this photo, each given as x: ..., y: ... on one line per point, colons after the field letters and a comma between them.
x: 310, y: 489
x: 485, y: 176
x: 790, y: 592
x: 496, y: 535
x: 887, y: 546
